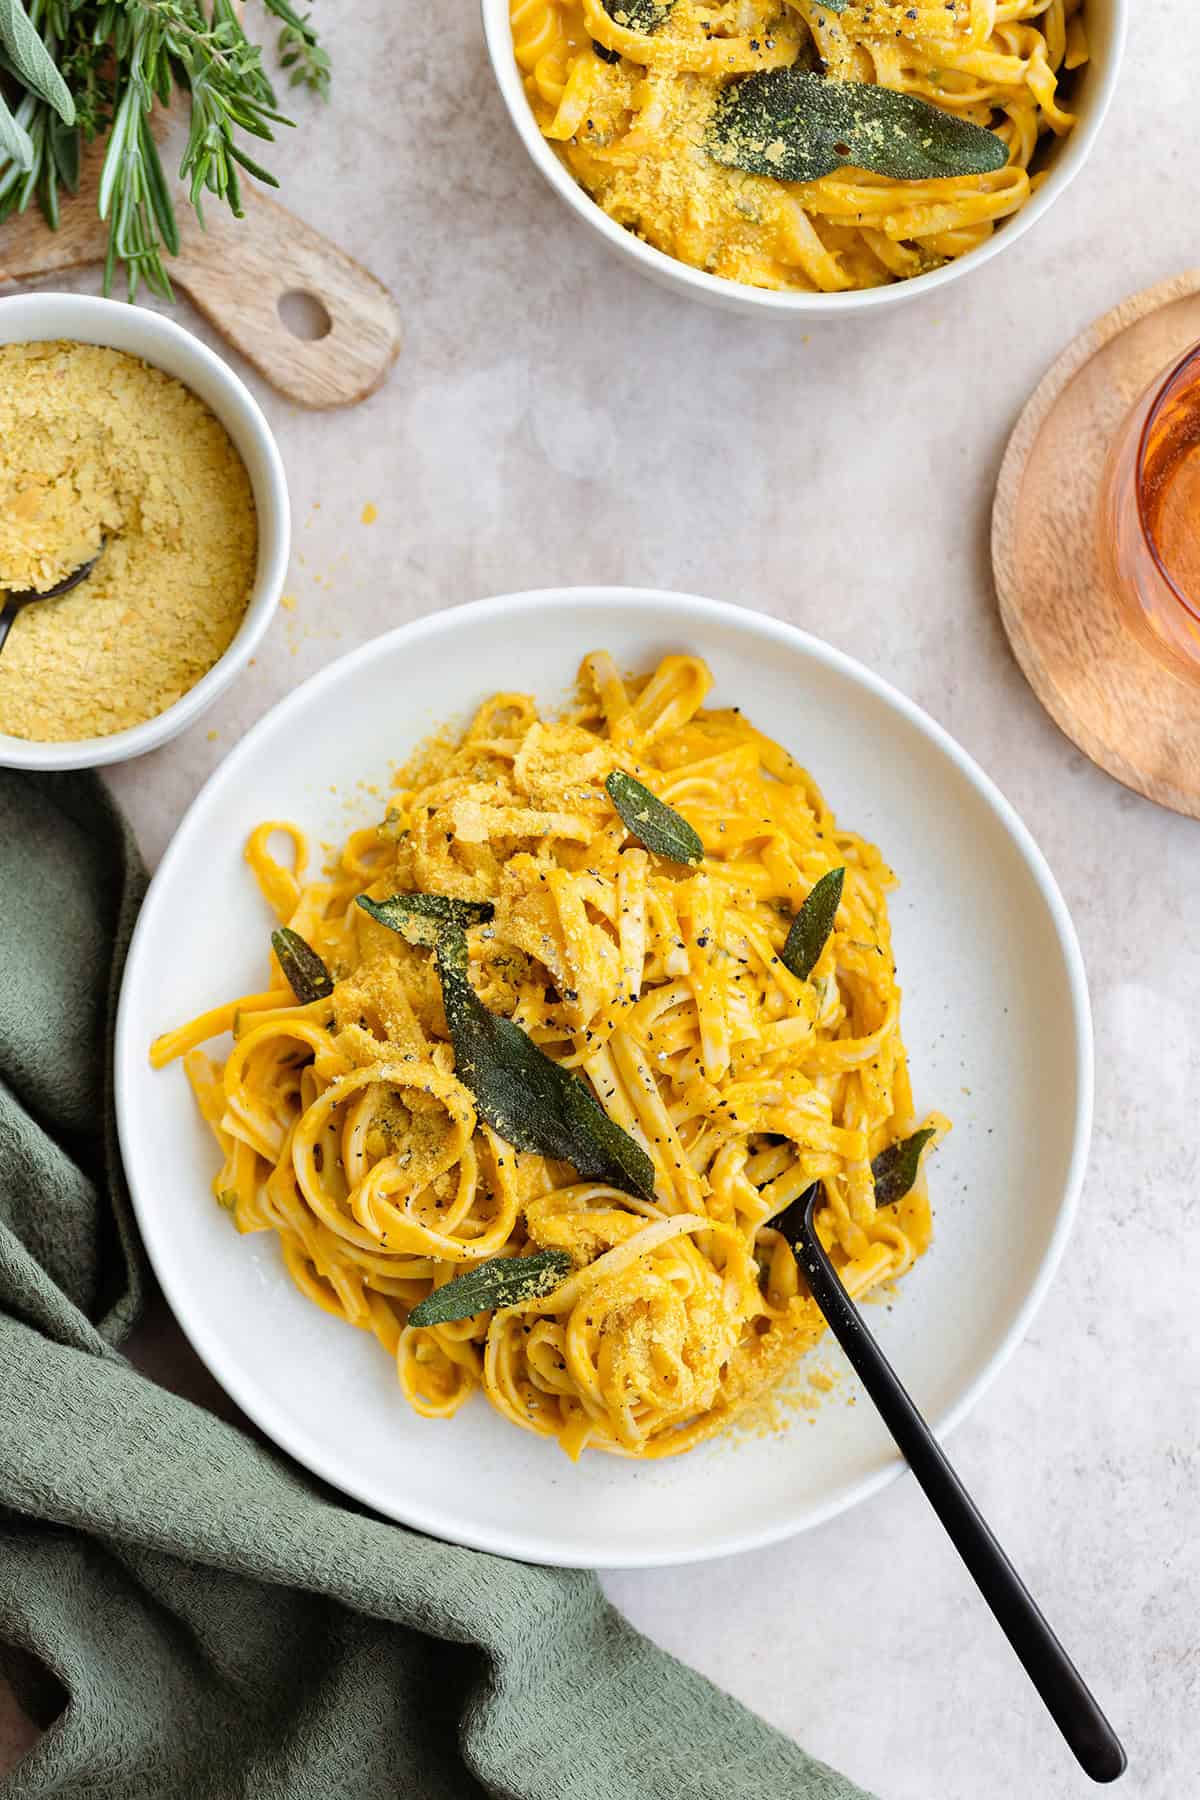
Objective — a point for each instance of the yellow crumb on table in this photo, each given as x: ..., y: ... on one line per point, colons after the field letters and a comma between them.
x: 370, y: 513
x: 99, y: 452
x: 288, y: 602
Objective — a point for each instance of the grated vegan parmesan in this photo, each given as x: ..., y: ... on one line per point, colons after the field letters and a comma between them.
x: 97, y: 447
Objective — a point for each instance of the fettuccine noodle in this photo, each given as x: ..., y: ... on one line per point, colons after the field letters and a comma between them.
x: 344, y: 1128
x: 631, y: 130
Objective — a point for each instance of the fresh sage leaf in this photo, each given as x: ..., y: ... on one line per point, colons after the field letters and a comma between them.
x: 65, y: 147
x: 833, y: 6
x: 428, y: 913
x: 895, y: 1169
x: 639, y: 15
x: 653, y: 823
x: 812, y: 925
x: 303, y: 969
x: 36, y: 68
x: 799, y: 126
x: 524, y: 1096
x: 501, y: 1281
x: 16, y: 145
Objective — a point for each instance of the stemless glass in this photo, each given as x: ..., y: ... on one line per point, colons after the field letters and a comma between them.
x: 1149, y: 516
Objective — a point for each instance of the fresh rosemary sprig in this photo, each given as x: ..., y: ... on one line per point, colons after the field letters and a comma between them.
x: 77, y: 69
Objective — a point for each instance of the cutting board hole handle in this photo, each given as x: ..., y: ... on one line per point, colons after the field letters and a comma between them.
x: 305, y: 315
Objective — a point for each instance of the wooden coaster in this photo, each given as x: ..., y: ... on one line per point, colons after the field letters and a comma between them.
x: 1128, y: 712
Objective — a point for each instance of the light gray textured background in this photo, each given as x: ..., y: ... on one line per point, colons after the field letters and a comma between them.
x: 554, y: 418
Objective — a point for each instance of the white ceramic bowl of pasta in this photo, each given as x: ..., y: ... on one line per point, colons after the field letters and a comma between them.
x: 996, y: 1022
x: 1089, y: 99
x: 86, y: 319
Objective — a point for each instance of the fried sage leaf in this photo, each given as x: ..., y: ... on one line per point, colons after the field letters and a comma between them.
x: 426, y: 915
x: 812, y: 925
x: 895, y: 1169
x: 501, y: 1281
x: 303, y: 969
x: 639, y: 15
x: 653, y: 823
x: 527, y: 1099
x: 799, y: 126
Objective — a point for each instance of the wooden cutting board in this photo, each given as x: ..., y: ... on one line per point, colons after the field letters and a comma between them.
x: 236, y: 272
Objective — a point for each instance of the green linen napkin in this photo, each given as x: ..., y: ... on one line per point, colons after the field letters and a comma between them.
x: 183, y: 1610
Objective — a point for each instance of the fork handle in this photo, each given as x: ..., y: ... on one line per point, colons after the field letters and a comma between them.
x: 1066, y: 1695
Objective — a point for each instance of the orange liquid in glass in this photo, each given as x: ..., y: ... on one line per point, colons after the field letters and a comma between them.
x: 1149, y: 517
x: 1171, y: 489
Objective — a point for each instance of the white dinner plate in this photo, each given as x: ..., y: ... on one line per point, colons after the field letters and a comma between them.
x: 995, y: 1017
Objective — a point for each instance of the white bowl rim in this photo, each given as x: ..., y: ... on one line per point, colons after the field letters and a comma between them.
x: 129, y: 1051
x: 79, y: 312
x: 739, y: 296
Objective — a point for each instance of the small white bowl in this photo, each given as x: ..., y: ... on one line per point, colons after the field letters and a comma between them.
x: 44, y: 318
x: 1107, y: 22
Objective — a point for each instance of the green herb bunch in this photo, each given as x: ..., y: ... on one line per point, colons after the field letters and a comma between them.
x: 73, y: 70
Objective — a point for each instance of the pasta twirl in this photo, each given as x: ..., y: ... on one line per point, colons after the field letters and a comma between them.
x: 345, y: 1127
x: 626, y: 109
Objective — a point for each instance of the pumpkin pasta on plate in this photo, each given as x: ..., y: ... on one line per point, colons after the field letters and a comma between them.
x: 547, y: 1058
x: 814, y: 145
